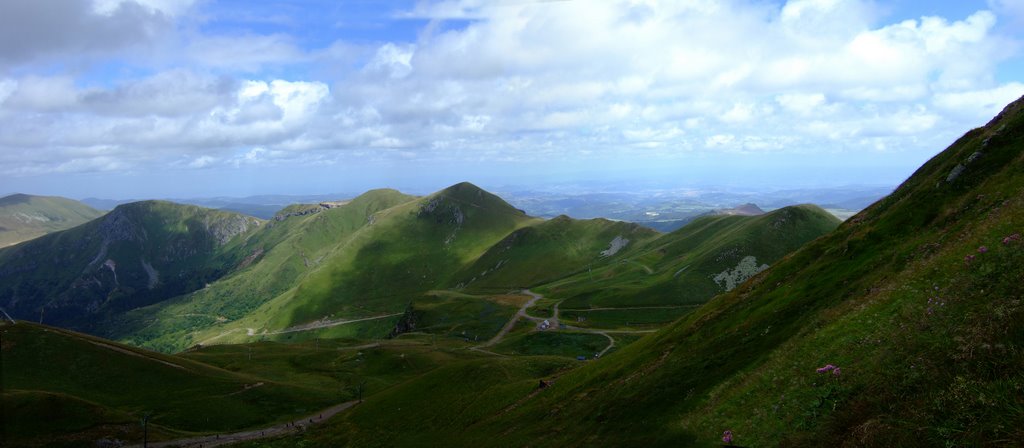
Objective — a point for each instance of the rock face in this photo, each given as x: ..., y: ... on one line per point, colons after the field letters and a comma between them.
x: 136, y: 255
x: 407, y: 323
x: 746, y: 268
x: 615, y: 246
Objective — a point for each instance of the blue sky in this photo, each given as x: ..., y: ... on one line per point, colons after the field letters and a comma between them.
x: 186, y: 98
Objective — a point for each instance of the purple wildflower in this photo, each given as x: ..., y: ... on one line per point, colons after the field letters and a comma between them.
x: 1011, y: 238
x: 982, y: 249
x: 969, y: 258
x: 727, y: 437
x: 836, y: 371
x: 826, y: 369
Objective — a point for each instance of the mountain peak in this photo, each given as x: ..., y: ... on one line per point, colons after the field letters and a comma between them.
x: 475, y: 196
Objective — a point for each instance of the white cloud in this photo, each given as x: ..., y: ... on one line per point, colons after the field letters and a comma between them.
x: 511, y: 79
x: 202, y: 162
x: 985, y: 102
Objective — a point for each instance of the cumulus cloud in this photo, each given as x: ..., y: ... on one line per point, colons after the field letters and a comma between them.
x: 508, y: 80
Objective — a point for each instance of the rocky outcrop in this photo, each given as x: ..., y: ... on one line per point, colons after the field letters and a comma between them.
x: 406, y: 324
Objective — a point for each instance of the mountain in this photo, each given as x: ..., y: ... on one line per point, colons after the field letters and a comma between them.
x: 300, y: 240
x: 748, y: 209
x: 708, y: 256
x: 23, y: 217
x: 901, y: 328
x: 550, y: 250
x: 137, y: 254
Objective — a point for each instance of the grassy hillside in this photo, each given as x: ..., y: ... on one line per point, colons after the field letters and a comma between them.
x: 904, y: 327
x: 138, y: 254
x: 64, y: 388
x: 273, y: 260
x: 366, y: 259
x: 60, y: 385
x: 708, y: 256
x: 551, y: 250
x: 24, y: 217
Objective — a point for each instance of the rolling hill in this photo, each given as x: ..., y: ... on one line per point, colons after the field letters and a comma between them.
x: 903, y: 327
x: 24, y: 217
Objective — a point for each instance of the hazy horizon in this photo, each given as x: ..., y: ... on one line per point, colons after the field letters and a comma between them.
x: 121, y: 99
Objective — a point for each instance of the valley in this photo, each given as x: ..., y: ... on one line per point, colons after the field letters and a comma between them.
x: 453, y: 316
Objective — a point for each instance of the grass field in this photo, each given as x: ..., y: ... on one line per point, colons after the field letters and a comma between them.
x: 624, y: 318
x: 569, y: 344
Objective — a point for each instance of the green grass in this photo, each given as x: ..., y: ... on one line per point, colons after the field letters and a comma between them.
x: 929, y: 341
x: 65, y: 387
x: 553, y: 343
x: 548, y: 251
x: 431, y: 410
x: 624, y: 318
x: 679, y: 268
x: 24, y: 217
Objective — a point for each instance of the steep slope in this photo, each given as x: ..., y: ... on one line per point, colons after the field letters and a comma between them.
x: 136, y: 255
x: 904, y: 327
x: 917, y: 300
x: 64, y: 387
x: 551, y: 250
x: 389, y: 255
x: 274, y: 259
x: 23, y: 217
x: 710, y: 255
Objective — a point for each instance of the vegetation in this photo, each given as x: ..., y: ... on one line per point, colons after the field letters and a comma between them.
x: 902, y: 328
x: 24, y: 217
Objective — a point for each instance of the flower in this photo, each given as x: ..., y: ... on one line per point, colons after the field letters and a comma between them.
x: 1011, y: 238
x: 969, y: 258
x: 836, y: 371
x: 982, y: 249
x: 827, y: 368
x: 727, y: 437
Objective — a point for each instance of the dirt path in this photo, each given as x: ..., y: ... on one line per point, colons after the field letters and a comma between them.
x: 328, y: 323
x: 611, y: 343
x: 555, y: 325
x: 277, y: 430
x: 511, y: 322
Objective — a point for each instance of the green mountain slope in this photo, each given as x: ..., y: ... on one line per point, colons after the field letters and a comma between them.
x: 136, y: 255
x: 551, y: 250
x: 401, y: 253
x: 904, y: 327
x: 280, y: 255
x: 65, y: 386
x: 24, y: 217
x: 710, y: 255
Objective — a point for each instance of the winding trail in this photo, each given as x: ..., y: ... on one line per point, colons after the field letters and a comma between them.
x: 511, y: 322
x: 271, y: 431
x: 555, y: 325
x: 327, y: 323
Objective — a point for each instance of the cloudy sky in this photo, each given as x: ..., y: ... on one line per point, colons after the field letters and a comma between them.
x: 179, y: 98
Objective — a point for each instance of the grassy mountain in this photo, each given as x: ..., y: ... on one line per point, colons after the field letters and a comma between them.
x: 299, y: 240
x: 23, y: 217
x: 916, y: 300
x: 138, y: 254
x: 398, y: 255
x: 551, y: 250
x: 710, y: 255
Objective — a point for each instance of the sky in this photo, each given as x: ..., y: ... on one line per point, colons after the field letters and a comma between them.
x: 198, y: 98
